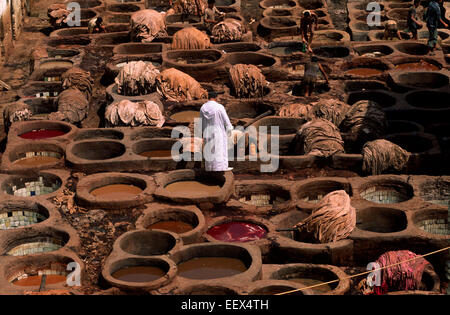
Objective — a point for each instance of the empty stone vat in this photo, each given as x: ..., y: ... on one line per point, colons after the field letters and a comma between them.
x: 40, y: 90
x: 436, y: 191
x: 386, y: 191
x: 97, y: 149
x: 414, y: 143
x: 332, y: 51
x: 187, y: 221
x: 382, y: 50
x: 31, y: 185
x: 310, y: 275
x: 412, y: 48
x: 238, y: 47
x: 138, y: 48
x: 148, y: 242
x: 381, y: 220
x: 278, y: 4
x: 151, y: 132
x: 114, y: 190
x: 104, y: 133
x: 384, y: 99
x: 45, y: 242
x: 287, y: 126
x: 253, y: 58
x: 263, y: 195
x: 402, y: 126
x: 278, y: 26
x: 428, y: 99
x: 123, y: 7
x: 273, y: 287
x: 359, y: 85
x: 311, y: 191
x: 432, y: 221
x: 15, y: 214
x: 284, y: 48
x: 419, y: 80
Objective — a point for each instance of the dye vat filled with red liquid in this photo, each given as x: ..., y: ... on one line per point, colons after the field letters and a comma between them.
x: 42, y: 134
x: 237, y: 231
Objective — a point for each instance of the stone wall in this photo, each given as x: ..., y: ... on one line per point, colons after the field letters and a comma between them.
x: 11, y: 22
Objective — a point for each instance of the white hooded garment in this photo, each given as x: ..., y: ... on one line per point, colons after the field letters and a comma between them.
x: 215, y: 124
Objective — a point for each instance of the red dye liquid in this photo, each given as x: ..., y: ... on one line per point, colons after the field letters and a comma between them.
x: 237, y: 232
x: 42, y: 134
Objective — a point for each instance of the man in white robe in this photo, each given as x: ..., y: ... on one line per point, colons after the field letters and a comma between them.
x: 215, y: 127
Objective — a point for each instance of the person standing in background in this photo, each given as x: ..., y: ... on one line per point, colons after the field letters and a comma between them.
x: 413, y: 22
x: 433, y: 18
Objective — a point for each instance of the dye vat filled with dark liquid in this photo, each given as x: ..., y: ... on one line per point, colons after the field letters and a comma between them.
x: 192, y: 187
x: 116, y: 191
x: 310, y: 282
x: 364, y: 72
x: 178, y: 227
x: 211, y: 268
x: 237, y: 231
x: 35, y: 281
x: 42, y: 134
x: 139, y: 274
x: 157, y: 153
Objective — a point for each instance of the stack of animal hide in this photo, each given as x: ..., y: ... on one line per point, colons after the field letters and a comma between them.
x: 79, y: 79
x: 136, y: 78
x: 229, y: 30
x: 296, y: 111
x: 190, y: 38
x: 127, y: 113
x: 72, y: 106
x: 332, y: 219
x: 319, y: 137
x: 18, y: 111
x: 147, y: 25
x: 330, y: 109
x: 382, y: 155
x: 193, y: 7
x: 58, y: 14
x: 174, y: 85
x: 247, y: 81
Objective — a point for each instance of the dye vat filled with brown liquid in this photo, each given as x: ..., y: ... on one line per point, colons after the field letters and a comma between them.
x: 192, y: 187
x: 178, y: 227
x: 116, y: 191
x: 157, y: 153
x: 35, y: 281
x: 36, y: 161
x: 417, y: 66
x: 186, y: 116
x: 139, y: 274
x: 364, y: 72
x: 211, y: 268
x: 56, y: 64
x: 310, y: 282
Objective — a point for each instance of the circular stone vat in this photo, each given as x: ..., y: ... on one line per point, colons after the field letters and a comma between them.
x: 202, y: 57
x: 277, y: 4
x: 273, y: 287
x: 278, y: 24
x: 414, y: 143
x: 238, y: 47
x: 36, y: 155
x: 398, y: 14
x: 86, y: 4
x: 310, y: 275
x: 428, y: 99
x: 421, y: 80
x: 139, y: 273
x: 182, y: 19
x: 432, y: 221
x: 436, y: 191
x: 360, y: 85
x: 38, y: 130
x: 98, y: 150
x: 412, y: 48
x: 262, y: 195
x: 402, y: 126
x: 286, y: 125
x: 207, y: 263
x: 28, y: 272
x: 186, y: 116
x: 237, y: 231
x: 99, y: 133
x: 250, y: 58
x: 41, y: 243
x: 155, y: 148
x: 31, y: 185
x: 417, y: 64
x: 55, y: 64
x: 387, y: 191
x: 311, y: 4
x: 15, y: 214
x: 123, y: 8
x: 381, y: 220
x: 116, y: 191
x: 137, y: 49
x: 331, y: 51
x: 382, y: 50
x: 313, y: 191
x: 384, y: 99
x: 284, y: 48
x: 202, y: 289
x: 147, y: 242
x: 277, y: 12
x: 187, y: 222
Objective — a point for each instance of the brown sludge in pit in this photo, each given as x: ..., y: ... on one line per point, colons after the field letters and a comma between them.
x: 36, y: 161
x: 186, y: 116
x: 211, y: 267
x: 139, y: 274
x: 364, y: 72
x: 157, y: 153
x: 421, y: 65
x: 192, y: 187
x: 310, y: 282
x: 116, y: 191
x: 32, y: 281
x: 178, y: 227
